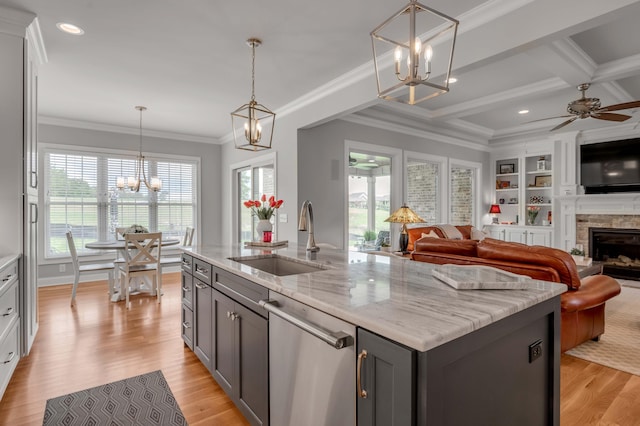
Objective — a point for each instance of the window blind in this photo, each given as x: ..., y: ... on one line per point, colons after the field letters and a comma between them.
x: 80, y: 196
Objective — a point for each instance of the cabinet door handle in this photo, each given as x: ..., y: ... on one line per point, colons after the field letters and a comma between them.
x: 201, y: 286
x: 201, y: 270
x: 186, y: 325
x: 7, y: 278
x: 11, y: 356
x: 9, y: 312
x: 361, y: 357
x: 186, y: 263
x: 186, y: 289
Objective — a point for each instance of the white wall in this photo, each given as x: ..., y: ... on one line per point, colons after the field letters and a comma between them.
x: 208, y: 231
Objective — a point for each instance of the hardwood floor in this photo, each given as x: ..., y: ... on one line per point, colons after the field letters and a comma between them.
x: 99, y: 342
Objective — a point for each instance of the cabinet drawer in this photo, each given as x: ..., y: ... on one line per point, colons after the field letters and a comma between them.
x: 187, y: 263
x: 202, y: 271
x: 187, y: 326
x: 8, y: 275
x: 9, y: 356
x: 8, y: 307
x: 187, y: 290
x: 241, y: 290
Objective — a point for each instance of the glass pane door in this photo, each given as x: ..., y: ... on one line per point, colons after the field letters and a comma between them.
x: 369, y: 200
x: 253, y: 182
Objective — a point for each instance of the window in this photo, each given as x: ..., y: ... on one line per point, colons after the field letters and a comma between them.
x: 425, y: 186
x: 80, y: 196
x: 464, y: 193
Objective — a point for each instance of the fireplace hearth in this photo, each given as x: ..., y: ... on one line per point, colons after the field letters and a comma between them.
x: 619, y: 249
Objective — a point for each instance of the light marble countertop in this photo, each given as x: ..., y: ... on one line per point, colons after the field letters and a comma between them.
x: 7, y: 259
x: 388, y: 295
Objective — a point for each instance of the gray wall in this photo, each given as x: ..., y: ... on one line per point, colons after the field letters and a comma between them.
x: 208, y: 230
x: 321, y: 169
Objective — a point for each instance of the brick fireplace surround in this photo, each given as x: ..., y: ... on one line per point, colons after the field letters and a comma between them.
x: 586, y: 221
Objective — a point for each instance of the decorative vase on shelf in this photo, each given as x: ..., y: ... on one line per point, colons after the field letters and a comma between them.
x: 531, y: 215
x: 264, y: 225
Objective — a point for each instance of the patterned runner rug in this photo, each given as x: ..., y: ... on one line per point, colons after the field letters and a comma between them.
x: 140, y: 400
x: 619, y: 346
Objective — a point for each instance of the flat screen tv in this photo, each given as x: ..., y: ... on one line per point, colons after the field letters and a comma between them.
x: 610, y: 166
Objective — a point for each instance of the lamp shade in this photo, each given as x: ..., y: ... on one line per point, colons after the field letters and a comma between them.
x: 404, y: 215
x: 494, y: 208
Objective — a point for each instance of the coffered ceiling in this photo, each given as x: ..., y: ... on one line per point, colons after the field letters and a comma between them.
x: 189, y: 64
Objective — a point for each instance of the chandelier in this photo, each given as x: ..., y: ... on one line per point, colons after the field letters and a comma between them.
x: 255, y: 119
x: 133, y: 182
x: 413, y: 54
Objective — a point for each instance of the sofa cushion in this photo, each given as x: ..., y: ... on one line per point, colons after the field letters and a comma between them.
x: 416, y: 233
x: 536, y: 255
x: 443, y: 245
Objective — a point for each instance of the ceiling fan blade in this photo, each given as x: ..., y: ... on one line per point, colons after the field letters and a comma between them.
x: 618, y: 107
x: 609, y: 116
x: 548, y: 118
x: 571, y: 120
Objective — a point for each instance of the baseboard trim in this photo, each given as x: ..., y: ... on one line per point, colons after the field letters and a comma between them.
x: 85, y: 278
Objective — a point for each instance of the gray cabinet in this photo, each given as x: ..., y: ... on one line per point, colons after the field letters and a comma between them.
x: 202, y: 333
x: 187, y: 300
x: 386, y: 385
x: 228, y: 331
x: 241, y: 361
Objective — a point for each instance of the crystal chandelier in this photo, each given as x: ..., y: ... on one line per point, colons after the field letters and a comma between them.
x: 256, y: 120
x: 133, y: 182
x: 421, y: 41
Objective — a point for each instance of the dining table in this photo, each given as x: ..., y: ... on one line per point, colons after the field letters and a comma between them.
x: 119, y: 246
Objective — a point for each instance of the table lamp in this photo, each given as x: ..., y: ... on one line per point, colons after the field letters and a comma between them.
x: 494, y: 210
x: 404, y: 215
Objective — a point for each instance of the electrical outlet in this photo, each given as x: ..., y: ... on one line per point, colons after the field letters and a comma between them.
x: 62, y: 268
x: 535, y: 351
x: 284, y: 218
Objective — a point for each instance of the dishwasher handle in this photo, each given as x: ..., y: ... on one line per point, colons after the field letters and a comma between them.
x: 338, y: 339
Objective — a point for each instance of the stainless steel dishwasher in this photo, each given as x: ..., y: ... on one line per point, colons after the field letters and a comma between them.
x: 312, y: 374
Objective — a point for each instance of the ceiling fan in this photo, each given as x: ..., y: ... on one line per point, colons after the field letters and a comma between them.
x: 590, y: 107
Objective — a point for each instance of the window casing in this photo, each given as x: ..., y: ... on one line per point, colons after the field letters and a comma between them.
x: 80, y: 195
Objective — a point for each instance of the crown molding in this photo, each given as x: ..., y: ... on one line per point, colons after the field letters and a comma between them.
x: 487, y: 12
x: 87, y: 125
x: 15, y: 22
x: 34, y: 35
x: 610, y: 133
x: 472, y: 128
x: 422, y: 134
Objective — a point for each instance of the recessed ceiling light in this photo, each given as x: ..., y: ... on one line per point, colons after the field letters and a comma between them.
x: 452, y: 80
x: 523, y: 111
x: 69, y: 28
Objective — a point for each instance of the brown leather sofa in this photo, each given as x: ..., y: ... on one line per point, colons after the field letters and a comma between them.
x: 582, y: 306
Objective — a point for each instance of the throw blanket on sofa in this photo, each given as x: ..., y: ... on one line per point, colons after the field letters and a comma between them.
x: 450, y: 231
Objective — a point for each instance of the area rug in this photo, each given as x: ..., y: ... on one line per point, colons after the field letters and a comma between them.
x: 140, y: 400
x: 619, y: 346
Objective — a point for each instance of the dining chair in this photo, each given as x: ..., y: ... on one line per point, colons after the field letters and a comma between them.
x: 108, y: 267
x: 187, y: 241
x: 142, y: 258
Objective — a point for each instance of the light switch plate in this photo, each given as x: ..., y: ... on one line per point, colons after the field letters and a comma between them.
x: 284, y: 218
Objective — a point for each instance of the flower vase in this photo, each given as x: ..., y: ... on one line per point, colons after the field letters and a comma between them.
x: 264, y: 225
x: 532, y: 217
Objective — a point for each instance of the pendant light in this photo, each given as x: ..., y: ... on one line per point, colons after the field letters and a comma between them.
x: 140, y: 176
x: 413, y: 54
x: 255, y: 120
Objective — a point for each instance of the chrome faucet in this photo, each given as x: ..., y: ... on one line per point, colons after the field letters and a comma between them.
x: 307, y: 210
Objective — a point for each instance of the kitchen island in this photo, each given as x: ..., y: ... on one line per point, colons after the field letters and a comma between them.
x: 471, y: 354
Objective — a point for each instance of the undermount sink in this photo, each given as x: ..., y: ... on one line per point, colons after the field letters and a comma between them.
x: 279, y: 265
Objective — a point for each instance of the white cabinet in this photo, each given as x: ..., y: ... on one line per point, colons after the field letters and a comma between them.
x: 9, y: 319
x: 530, y: 235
